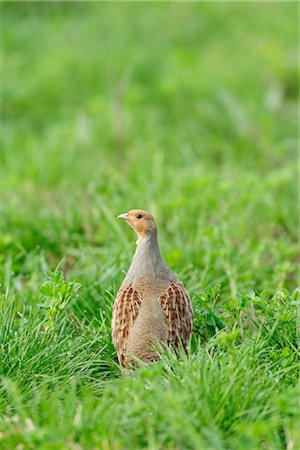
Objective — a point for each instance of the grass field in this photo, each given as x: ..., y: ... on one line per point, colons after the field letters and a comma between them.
x: 188, y: 110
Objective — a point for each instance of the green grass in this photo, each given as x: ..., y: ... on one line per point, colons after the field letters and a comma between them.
x: 188, y: 110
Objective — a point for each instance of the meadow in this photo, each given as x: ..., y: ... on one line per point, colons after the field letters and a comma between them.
x: 188, y: 110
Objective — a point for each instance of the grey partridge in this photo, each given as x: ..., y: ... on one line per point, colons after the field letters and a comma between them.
x: 152, y: 304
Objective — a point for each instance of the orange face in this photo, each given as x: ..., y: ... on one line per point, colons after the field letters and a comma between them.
x: 141, y: 221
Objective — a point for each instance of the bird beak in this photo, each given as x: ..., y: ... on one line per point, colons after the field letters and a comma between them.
x: 123, y: 216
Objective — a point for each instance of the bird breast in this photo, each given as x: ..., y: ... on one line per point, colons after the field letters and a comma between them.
x: 148, y: 327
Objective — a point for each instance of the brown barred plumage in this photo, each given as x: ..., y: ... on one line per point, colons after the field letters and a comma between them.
x: 126, y: 309
x: 178, y: 315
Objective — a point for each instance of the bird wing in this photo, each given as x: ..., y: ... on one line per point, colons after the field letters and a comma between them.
x: 178, y: 315
x: 126, y: 309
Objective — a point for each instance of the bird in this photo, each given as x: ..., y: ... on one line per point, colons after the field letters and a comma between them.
x: 151, y: 305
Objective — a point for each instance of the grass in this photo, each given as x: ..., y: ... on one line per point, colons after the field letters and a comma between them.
x: 188, y: 110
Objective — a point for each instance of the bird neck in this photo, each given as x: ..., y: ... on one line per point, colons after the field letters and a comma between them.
x: 147, y: 257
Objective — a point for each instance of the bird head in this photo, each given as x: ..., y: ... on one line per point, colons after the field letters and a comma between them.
x: 141, y: 221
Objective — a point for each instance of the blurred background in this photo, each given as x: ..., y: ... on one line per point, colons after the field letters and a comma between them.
x: 188, y: 110
x: 185, y: 109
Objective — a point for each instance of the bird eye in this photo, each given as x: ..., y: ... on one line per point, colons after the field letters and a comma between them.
x: 139, y: 216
